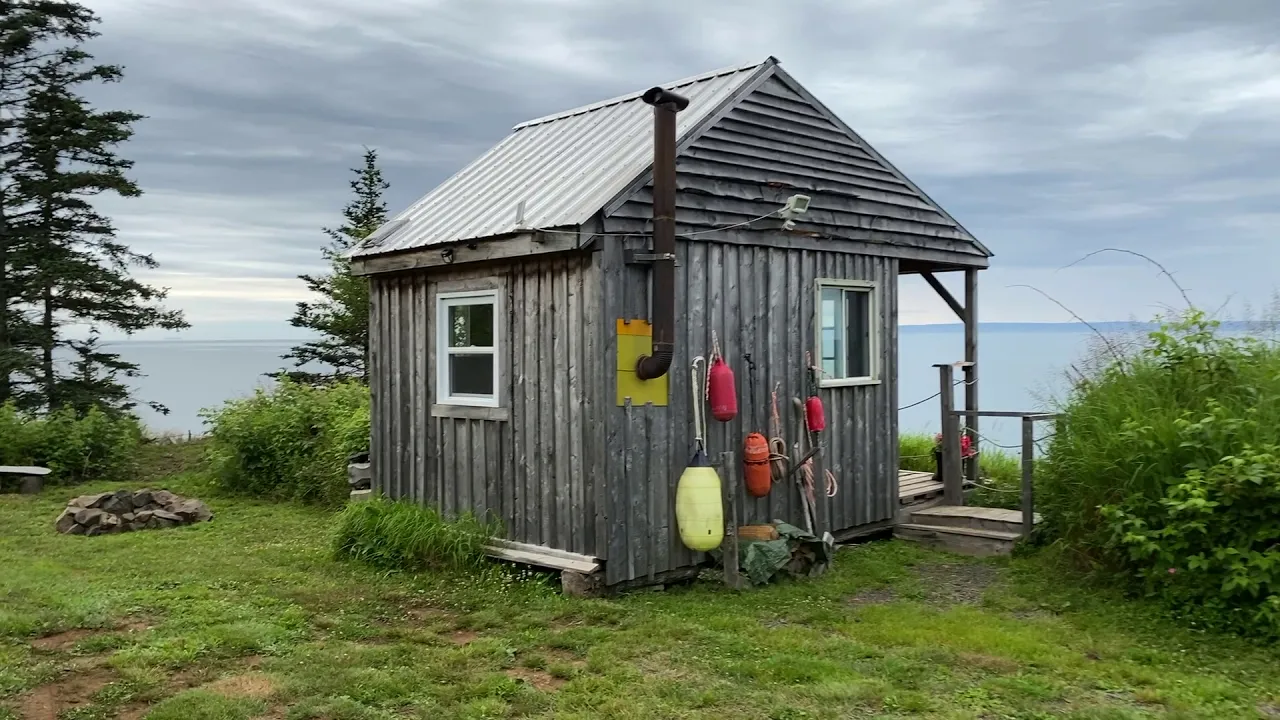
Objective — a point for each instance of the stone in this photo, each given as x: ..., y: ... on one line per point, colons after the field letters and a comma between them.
x: 127, y: 511
x: 192, y: 511
x: 89, y: 517
x: 116, y: 505
x: 89, y: 501
x: 65, y: 521
x: 163, y: 497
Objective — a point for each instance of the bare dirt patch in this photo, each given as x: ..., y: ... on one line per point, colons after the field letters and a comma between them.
x: 463, y: 637
x: 539, y: 679
x: 956, y: 583
x: 248, y: 685
x: 65, y: 640
x: 428, y: 615
x: 48, y: 701
x: 989, y: 662
x: 873, y: 596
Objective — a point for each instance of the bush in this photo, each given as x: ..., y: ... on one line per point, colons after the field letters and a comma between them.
x: 408, y: 536
x: 289, y: 443
x: 1163, y: 470
x: 95, y: 446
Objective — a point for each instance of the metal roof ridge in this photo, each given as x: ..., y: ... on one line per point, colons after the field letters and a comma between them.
x: 694, y: 79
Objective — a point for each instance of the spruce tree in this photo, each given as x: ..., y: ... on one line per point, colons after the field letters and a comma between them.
x: 341, y: 315
x: 27, y: 29
x: 68, y: 155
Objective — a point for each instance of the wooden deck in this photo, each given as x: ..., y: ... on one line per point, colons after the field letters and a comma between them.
x: 914, y: 486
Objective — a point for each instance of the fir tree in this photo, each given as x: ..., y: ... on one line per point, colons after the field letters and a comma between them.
x: 83, y: 274
x: 27, y: 30
x: 341, y: 315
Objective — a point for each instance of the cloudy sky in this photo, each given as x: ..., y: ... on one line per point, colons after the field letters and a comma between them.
x: 1049, y: 128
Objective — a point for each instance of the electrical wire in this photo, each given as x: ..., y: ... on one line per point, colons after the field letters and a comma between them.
x: 649, y: 233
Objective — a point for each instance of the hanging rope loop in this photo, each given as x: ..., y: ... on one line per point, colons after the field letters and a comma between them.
x: 699, y: 403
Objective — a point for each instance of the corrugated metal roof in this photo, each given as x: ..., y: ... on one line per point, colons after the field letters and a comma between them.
x: 564, y: 167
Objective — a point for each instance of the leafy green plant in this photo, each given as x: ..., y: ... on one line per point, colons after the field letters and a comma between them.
x: 94, y: 446
x: 1162, y: 470
x: 291, y: 442
x: 406, y: 536
x: 1211, y: 546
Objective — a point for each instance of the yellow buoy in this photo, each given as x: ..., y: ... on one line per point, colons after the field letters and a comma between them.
x: 699, y: 510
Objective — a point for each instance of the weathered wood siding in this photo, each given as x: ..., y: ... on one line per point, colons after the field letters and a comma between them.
x: 535, y: 467
x: 775, y: 144
x: 759, y: 301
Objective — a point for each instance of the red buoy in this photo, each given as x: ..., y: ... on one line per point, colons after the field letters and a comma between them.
x: 755, y: 465
x: 721, y: 393
x: 813, y: 414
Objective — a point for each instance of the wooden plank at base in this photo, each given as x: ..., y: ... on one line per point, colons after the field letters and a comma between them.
x: 541, y: 556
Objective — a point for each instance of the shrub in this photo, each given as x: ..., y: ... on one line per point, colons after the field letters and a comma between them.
x: 93, y: 446
x: 407, y: 536
x: 291, y: 442
x: 1163, y: 470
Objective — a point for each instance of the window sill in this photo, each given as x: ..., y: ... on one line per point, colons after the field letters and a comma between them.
x: 848, y: 382
x: 471, y: 412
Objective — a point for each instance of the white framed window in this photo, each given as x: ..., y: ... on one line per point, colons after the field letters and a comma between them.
x: 847, y: 332
x: 467, y: 342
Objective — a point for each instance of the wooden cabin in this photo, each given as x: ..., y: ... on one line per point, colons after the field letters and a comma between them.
x: 510, y: 304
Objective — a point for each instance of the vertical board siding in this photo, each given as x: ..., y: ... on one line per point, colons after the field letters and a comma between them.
x: 756, y: 300
x: 536, y: 473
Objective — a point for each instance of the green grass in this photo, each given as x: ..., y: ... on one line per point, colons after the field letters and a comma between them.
x: 249, y: 616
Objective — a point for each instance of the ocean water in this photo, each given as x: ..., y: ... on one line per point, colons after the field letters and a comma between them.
x: 1022, y: 368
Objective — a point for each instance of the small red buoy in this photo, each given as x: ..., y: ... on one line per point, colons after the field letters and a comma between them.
x: 813, y: 414
x: 721, y: 393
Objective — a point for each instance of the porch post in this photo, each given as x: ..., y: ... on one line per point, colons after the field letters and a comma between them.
x: 971, y: 369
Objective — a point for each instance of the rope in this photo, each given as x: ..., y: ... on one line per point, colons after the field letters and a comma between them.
x: 931, y: 397
x: 777, y: 445
x: 832, y: 485
x: 699, y: 400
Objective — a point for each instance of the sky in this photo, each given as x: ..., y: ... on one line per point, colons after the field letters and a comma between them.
x: 1049, y: 129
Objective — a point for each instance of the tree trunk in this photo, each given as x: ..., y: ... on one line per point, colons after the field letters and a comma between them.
x: 48, y: 341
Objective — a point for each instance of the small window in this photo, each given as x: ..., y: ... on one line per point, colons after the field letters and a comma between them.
x: 847, y: 342
x: 467, y: 348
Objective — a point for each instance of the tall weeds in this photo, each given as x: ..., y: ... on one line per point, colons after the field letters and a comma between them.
x: 410, y: 537
x: 1158, y: 451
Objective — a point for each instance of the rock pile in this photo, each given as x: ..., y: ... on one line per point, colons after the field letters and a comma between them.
x: 126, y: 510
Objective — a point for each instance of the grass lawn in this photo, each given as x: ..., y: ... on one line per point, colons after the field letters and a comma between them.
x: 248, y: 617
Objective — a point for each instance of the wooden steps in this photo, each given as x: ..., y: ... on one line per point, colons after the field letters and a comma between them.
x: 976, y: 531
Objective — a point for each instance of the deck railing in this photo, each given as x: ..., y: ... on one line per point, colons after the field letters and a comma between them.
x: 951, y: 466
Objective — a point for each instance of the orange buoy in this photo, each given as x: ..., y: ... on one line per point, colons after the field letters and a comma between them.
x: 757, y: 474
